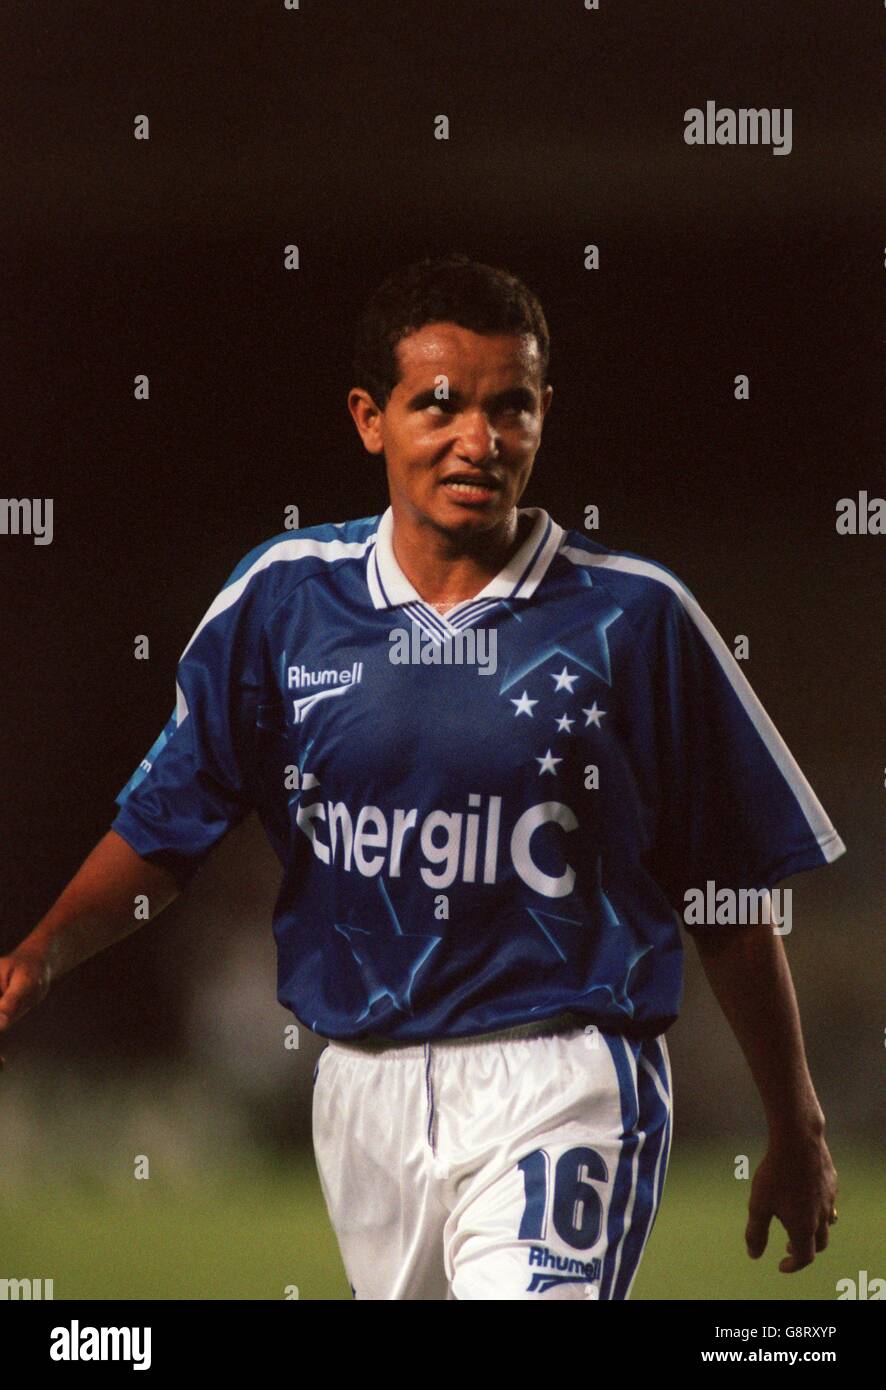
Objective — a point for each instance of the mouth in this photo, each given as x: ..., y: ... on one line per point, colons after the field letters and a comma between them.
x: 470, y: 489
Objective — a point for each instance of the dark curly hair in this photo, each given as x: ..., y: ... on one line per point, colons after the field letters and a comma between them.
x: 441, y: 289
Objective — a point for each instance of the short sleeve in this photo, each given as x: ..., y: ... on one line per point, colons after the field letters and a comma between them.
x: 735, y: 807
x: 193, y: 785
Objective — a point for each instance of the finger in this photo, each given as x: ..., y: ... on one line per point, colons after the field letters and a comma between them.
x: 14, y: 1001
x: 821, y: 1237
x: 757, y: 1232
x: 801, y: 1252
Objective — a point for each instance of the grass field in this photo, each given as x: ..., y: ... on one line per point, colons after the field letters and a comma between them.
x: 251, y: 1235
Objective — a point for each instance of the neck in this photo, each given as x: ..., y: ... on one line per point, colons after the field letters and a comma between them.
x: 446, y: 569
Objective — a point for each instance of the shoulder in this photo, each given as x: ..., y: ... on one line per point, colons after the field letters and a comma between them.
x: 274, y: 565
x: 643, y: 587
x: 270, y: 570
x: 325, y: 543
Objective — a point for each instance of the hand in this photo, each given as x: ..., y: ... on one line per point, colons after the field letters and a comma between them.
x: 24, y: 981
x: 796, y: 1182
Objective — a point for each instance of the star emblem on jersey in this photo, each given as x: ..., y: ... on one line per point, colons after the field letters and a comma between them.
x: 565, y: 679
x: 388, y: 961
x: 548, y: 763
x: 524, y: 704
x: 570, y: 678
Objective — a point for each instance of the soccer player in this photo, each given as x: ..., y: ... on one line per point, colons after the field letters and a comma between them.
x: 497, y: 762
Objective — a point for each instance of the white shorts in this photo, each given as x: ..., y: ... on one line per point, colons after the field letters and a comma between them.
x: 506, y: 1167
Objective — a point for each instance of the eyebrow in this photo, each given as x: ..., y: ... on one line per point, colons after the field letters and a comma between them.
x: 520, y: 394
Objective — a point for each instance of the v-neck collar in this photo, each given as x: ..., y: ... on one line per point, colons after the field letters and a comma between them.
x: 519, y: 579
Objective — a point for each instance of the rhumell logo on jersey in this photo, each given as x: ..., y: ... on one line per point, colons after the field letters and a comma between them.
x: 331, y: 681
x: 574, y: 1271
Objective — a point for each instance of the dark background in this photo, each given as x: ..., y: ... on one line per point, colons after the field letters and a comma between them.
x: 315, y: 127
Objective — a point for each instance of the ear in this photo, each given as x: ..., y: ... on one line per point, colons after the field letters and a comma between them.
x: 368, y: 419
x: 546, y: 398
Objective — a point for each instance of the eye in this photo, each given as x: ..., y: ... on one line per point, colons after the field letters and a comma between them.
x: 517, y: 404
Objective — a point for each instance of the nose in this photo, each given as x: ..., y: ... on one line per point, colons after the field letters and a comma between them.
x: 477, y: 441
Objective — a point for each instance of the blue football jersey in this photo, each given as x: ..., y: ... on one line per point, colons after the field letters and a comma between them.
x: 484, y: 818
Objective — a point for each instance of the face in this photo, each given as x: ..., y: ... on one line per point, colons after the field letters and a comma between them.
x: 459, y: 464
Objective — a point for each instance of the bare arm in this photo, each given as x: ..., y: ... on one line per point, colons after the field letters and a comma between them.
x: 96, y: 909
x: 748, y: 972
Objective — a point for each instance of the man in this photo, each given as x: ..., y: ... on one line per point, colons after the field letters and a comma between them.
x: 495, y: 760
